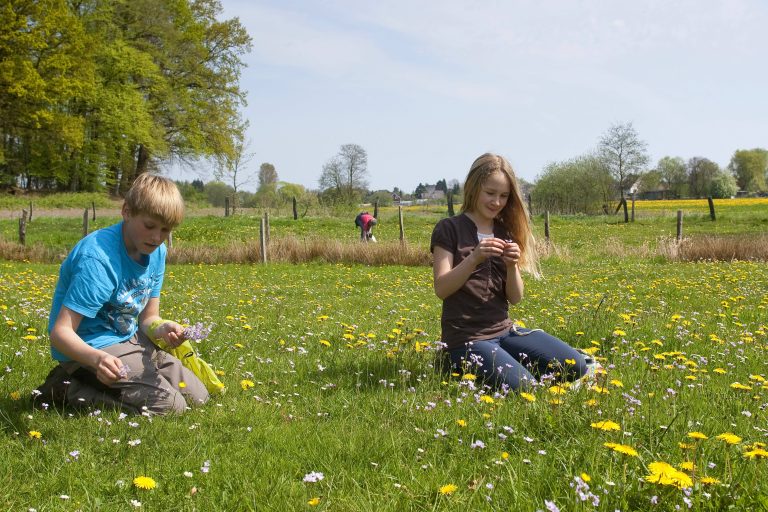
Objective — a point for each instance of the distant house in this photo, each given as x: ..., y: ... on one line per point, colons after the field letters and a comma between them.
x: 660, y: 191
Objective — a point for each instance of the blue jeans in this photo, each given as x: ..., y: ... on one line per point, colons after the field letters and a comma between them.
x: 519, y: 358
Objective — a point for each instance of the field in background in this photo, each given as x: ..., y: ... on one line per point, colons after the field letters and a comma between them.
x: 210, y: 237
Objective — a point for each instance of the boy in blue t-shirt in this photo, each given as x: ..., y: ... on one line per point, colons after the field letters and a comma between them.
x: 106, y: 307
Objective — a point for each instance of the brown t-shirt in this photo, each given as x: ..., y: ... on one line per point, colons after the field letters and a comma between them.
x: 479, y: 309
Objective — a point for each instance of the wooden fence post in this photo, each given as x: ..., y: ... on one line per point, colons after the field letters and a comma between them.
x: 170, y: 240
x: 633, y: 207
x: 85, y: 222
x: 295, y: 212
x: 376, y: 209
x: 263, y: 240
x: 226, y: 206
x: 29, y: 217
x: 679, y: 225
x: 400, y: 218
x: 23, y: 228
x: 711, y: 208
x: 93, y: 204
x: 450, y: 204
x: 546, y: 226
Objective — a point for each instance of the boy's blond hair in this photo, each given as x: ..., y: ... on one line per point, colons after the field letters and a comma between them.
x: 156, y: 196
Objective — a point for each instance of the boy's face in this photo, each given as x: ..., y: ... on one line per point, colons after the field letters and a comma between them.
x: 143, y: 233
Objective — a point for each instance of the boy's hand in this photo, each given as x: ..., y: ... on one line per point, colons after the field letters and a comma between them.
x: 109, y: 369
x: 511, y: 254
x: 171, y: 332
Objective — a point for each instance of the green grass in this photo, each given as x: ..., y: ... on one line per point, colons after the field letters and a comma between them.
x: 373, y: 416
x: 371, y: 413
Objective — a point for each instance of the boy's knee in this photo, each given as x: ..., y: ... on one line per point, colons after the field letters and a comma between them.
x: 171, y: 403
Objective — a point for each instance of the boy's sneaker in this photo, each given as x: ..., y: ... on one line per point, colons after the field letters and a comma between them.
x: 54, y: 390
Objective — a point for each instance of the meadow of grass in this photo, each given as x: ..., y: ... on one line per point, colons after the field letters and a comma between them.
x: 334, y: 403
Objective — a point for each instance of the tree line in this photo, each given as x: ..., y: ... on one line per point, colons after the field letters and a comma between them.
x: 619, y: 167
x: 95, y: 92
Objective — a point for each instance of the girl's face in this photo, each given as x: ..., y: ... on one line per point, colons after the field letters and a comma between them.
x: 493, y: 196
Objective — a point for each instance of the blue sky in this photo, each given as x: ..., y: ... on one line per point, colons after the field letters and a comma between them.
x: 427, y: 86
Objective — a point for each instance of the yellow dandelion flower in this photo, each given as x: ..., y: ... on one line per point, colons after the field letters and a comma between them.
x: 527, y: 396
x: 739, y: 385
x: 621, y: 448
x: 556, y: 401
x: 461, y: 423
x: 729, y: 438
x: 34, y: 434
x: 220, y: 373
x: 606, y: 425
x: 599, y: 389
x: 686, y: 446
x: 322, y: 318
x: 144, y: 482
x: 448, y: 489
x: 15, y: 395
x: 586, y: 477
x: 720, y: 371
x: 617, y: 383
x: 325, y: 343
x: 487, y: 399
x: 182, y: 384
x: 504, y: 455
x: 557, y: 390
x: 520, y: 323
x: 697, y: 435
x: 246, y: 384
x: 688, y: 466
x: 619, y: 332
x: 664, y: 474
x: 757, y: 453
x: 469, y: 376
x: 708, y: 480
x: 570, y: 362
x: 314, y: 502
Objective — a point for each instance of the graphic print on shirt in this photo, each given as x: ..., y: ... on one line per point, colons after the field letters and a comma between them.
x: 131, y: 298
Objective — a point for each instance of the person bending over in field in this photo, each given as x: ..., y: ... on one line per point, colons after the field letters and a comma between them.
x: 106, y: 308
x: 365, y: 221
x: 478, y: 256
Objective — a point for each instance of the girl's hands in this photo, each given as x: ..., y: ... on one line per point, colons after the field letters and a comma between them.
x: 511, y: 254
x: 487, y: 248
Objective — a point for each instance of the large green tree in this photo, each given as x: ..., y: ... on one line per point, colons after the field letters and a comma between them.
x: 94, y: 92
x: 750, y: 166
x: 674, y: 175
x: 701, y: 174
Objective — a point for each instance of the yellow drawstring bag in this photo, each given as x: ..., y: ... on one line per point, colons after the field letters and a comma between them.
x: 189, y: 358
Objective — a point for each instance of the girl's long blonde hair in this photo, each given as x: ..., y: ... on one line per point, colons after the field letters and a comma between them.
x: 514, y: 215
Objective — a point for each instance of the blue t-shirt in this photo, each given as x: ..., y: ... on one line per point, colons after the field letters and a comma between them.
x: 101, y: 282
